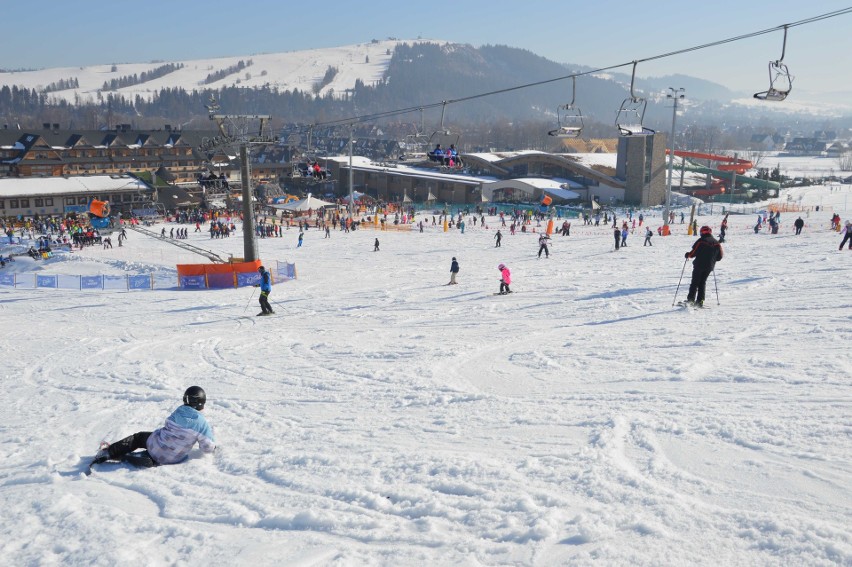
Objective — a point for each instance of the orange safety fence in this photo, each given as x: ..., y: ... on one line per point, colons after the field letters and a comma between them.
x: 218, y: 275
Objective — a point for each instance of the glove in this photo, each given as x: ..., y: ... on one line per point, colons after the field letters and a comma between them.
x: 685, y: 256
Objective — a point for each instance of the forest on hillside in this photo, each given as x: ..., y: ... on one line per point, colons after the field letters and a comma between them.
x: 418, y: 74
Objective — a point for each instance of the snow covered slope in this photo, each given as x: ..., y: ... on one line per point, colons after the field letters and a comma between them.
x: 382, y: 418
x: 285, y: 71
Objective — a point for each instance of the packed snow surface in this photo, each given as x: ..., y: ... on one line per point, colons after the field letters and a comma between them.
x: 383, y: 418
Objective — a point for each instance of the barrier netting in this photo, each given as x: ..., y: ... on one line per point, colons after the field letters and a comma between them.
x: 214, y: 278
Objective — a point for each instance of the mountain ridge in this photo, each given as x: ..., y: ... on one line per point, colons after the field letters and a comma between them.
x: 334, y: 83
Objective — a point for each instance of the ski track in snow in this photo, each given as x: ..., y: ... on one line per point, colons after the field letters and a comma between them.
x: 382, y: 418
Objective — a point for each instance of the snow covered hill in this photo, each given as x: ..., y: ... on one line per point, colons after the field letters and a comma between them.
x: 382, y: 418
x: 285, y: 71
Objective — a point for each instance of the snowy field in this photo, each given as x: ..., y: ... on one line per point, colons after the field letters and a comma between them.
x: 382, y: 418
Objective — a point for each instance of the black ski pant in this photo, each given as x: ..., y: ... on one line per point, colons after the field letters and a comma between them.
x: 543, y: 248
x: 264, y: 302
x: 504, y: 288
x: 847, y: 236
x: 128, y: 445
x: 698, y: 284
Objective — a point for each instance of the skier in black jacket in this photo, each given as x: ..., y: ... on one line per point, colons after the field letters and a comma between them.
x: 454, y: 269
x: 706, y: 251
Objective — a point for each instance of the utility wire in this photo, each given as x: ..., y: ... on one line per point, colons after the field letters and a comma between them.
x: 351, y: 121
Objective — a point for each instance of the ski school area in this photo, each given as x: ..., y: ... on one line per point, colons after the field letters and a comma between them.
x: 381, y: 416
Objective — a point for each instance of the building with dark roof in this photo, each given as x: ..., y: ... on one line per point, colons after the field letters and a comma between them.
x: 53, y: 152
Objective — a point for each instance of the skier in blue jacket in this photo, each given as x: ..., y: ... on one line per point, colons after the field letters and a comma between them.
x: 265, y: 290
x: 171, y: 443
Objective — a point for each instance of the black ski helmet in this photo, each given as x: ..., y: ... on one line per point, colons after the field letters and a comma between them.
x: 195, y: 397
x: 260, y: 269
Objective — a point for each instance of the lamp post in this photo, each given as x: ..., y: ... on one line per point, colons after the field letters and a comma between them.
x: 351, y: 173
x: 676, y: 94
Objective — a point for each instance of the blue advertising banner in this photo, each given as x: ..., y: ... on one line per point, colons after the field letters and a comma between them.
x: 220, y: 281
x: 45, y: 281
x: 193, y: 282
x: 247, y: 278
x: 139, y: 282
x: 91, y: 282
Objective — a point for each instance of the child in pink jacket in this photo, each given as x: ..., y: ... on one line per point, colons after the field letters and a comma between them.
x: 505, y: 279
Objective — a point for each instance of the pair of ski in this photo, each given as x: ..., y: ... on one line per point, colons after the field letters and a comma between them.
x: 138, y: 459
x: 691, y: 304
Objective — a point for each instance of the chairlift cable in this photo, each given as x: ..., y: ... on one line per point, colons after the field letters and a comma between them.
x: 371, y: 117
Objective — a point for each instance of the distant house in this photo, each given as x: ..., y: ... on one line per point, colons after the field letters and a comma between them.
x: 805, y: 147
x: 837, y: 149
x: 761, y: 142
x: 766, y: 142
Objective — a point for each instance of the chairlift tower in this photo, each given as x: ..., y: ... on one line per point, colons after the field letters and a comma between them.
x: 242, y: 131
x: 676, y: 95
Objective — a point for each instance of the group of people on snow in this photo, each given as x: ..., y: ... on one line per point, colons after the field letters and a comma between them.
x: 186, y: 426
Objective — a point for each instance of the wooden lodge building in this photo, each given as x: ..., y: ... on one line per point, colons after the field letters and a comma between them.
x: 52, y: 152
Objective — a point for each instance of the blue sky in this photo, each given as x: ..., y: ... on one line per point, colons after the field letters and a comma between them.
x: 596, y: 33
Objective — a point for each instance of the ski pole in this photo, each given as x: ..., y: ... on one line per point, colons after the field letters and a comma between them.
x: 249, y: 301
x: 678, y: 281
x: 716, y: 285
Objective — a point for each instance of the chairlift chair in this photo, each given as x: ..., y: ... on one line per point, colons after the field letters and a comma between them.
x: 632, y: 113
x: 416, y: 144
x: 780, y: 80
x: 444, y: 137
x: 569, y: 118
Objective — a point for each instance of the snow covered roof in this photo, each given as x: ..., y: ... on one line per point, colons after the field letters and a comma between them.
x: 46, y: 186
x: 595, y: 159
x: 499, y: 156
x: 363, y: 163
x: 545, y: 183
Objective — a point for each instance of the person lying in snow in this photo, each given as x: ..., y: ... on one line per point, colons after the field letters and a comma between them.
x: 169, y: 444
